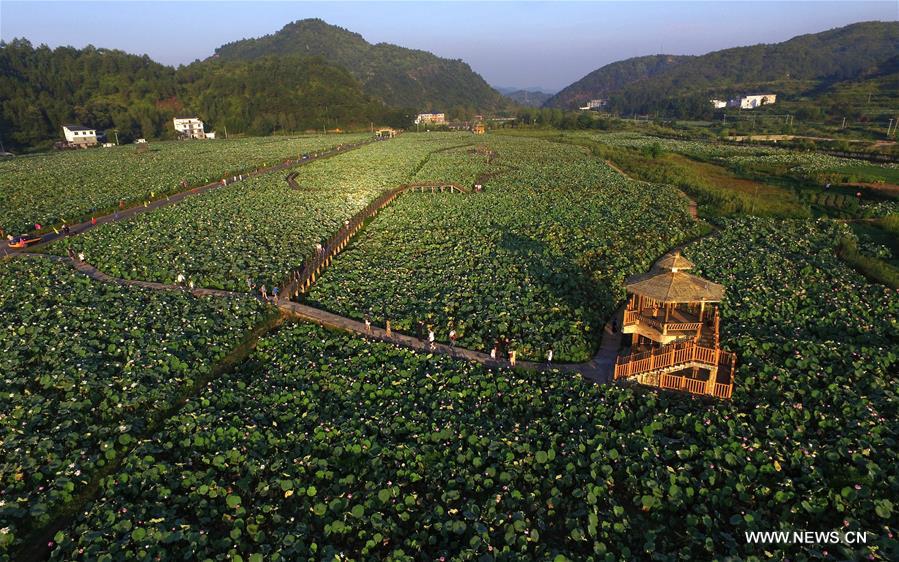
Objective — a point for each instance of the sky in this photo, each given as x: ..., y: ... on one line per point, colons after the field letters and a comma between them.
x: 523, y: 44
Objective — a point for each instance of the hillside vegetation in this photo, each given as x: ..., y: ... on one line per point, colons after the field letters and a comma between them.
x: 681, y: 86
x: 400, y: 77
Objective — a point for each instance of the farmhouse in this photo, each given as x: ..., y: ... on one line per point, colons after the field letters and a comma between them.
x: 189, y: 127
x: 594, y: 104
x: 674, y: 331
x: 430, y: 119
x: 718, y: 104
x: 753, y: 101
x: 78, y: 135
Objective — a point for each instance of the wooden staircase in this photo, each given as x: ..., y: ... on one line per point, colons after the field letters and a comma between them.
x: 654, y: 367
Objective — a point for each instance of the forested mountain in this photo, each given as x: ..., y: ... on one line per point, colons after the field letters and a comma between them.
x: 41, y: 89
x: 610, y: 78
x: 528, y: 98
x: 804, y: 63
x: 398, y: 76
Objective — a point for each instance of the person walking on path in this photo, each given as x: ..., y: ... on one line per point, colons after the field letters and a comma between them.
x: 81, y: 257
x: 512, y: 358
x: 389, y: 331
x: 180, y: 279
x: 420, y: 330
x: 190, y: 284
x: 431, y: 339
x: 367, y: 324
x: 275, y: 292
x: 66, y: 231
x: 71, y: 253
x: 549, y: 356
x: 263, y: 292
x: 452, y: 336
x: 493, y: 352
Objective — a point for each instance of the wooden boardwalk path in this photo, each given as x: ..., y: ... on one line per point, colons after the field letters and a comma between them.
x: 172, y: 199
x: 599, y: 369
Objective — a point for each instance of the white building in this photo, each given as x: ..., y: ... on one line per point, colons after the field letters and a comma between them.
x: 189, y: 128
x: 430, y: 119
x: 718, y: 104
x: 76, y: 134
x: 595, y: 104
x: 753, y: 101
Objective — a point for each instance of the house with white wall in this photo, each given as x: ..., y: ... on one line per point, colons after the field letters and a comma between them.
x: 76, y: 134
x: 189, y: 127
x: 430, y: 119
x: 753, y: 101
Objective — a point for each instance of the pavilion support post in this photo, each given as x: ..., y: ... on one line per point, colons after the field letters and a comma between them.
x: 713, y: 379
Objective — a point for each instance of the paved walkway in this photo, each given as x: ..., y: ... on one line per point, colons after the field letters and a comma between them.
x: 80, y: 228
x: 599, y: 369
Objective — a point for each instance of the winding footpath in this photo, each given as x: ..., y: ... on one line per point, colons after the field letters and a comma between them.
x: 172, y: 199
x: 599, y: 369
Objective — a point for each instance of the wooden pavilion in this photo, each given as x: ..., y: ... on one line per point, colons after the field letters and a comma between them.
x: 672, y: 318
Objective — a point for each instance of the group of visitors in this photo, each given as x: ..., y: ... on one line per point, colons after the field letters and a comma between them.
x: 263, y: 291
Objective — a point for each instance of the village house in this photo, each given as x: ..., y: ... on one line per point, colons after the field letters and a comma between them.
x: 189, y: 128
x: 718, y: 104
x: 753, y: 101
x: 594, y: 104
x: 78, y: 135
x: 430, y: 119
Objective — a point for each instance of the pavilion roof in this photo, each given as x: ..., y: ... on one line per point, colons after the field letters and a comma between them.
x: 674, y: 261
x: 674, y: 287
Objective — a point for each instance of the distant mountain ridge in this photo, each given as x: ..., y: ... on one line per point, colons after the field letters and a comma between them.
x: 528, y: 98
x: 398, y: 76
x: 645, y: 84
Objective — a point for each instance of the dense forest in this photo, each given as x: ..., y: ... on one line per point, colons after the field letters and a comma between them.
x: 41, y: 89
x: 398, y: 76
x: 681, y: 86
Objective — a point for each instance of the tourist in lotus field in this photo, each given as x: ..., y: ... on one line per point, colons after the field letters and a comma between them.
x: 71, y: 253
x: 512, y: 358
x: 81, y: 256
x: 367, y: 323
x: 452, y: 336
x: 389, y: 331
x: 431, y: 338
x: 66, y: 230
x: 549, y: 356
x: 420, y: 330
x: 180, y: 279
x: 190, y: 284
x: 263, y: 292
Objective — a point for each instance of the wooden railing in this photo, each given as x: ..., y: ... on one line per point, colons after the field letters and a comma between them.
x: 670, y: 356
x: 648, y: 368
x: 632, y: 317
x: 299, y: 281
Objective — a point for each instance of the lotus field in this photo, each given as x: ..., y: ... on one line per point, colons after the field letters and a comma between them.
x: 154, y: 425
x: 86, y: 368
x: 259, y: 228
x: 68, y: 185
x: 539, y: 257
x: 327, y: 446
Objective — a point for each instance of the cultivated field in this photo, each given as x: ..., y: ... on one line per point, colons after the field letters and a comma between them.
x: 150, y: 423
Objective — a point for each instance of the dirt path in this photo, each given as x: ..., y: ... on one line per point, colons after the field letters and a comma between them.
x: 691, y: 204
x: 129, y: 212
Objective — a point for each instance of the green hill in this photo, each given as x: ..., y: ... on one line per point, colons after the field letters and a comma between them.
x: 805, y: 64
x: 41, y: 89
x: 398, y: 76
x: 603, y: 82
